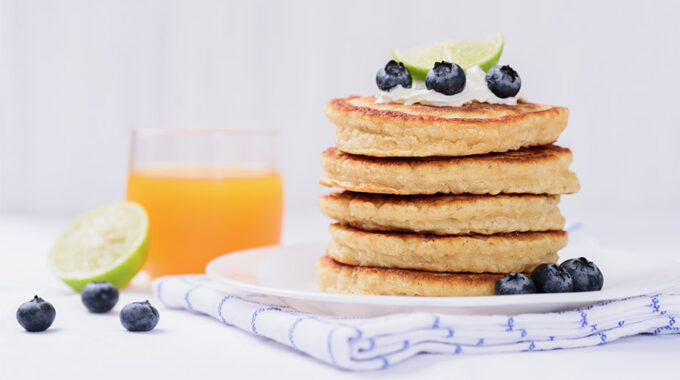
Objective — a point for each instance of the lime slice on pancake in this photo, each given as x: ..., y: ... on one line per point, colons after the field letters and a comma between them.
x: 484, y: 52
x: 109, y: 243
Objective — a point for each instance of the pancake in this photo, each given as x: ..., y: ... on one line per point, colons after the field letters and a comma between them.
x: 397, y: 130
x: 444, y: 214
x: 500, y: 253
x: 335, y: 277
x: 537, y: 170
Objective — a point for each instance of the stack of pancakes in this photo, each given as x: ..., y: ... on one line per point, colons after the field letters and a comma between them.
x: 441, y: 201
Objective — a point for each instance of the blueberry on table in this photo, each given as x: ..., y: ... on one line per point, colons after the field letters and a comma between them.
x: 503, y: 81
x: 36, y: 315
x: 99, y: 296
x: 139, y: 316
x: 549, y: 278
x: 514, y: 283
x: 586, y: 275
x: 446, y: 78
x: 394, y: 73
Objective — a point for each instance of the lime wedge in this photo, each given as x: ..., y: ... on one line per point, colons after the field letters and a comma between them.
x: 484, y: 52
x: 109, y: 243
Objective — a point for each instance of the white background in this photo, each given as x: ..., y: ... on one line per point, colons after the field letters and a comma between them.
x: 76, y: 76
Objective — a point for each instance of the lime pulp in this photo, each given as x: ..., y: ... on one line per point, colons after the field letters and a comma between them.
x: 483, y: 52
x: 109, y: 243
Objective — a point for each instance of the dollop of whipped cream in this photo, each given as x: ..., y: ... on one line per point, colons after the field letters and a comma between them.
x: 475, y: 90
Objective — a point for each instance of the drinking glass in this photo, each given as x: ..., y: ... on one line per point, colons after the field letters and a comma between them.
x: 207, y: 192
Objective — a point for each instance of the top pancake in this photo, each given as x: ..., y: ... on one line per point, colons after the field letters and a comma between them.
x: 397, y: 130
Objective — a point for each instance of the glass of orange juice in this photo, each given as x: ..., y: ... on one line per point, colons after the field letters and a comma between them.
x: 206, y: 192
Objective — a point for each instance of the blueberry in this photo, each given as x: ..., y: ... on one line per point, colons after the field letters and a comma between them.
x: 99, y: 296
x: 445, y: 77
x: 586, y: 274
x: 549, y: 278
x: 139, y: 316
x: 36, y: 315
x: 394, y: 73
x: 514, y: 283
x: 503, y: 81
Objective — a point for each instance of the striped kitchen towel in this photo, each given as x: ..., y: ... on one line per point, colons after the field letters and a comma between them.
x: 362, y: 344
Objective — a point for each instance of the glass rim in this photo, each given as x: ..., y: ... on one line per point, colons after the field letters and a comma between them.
x: 143, y: 132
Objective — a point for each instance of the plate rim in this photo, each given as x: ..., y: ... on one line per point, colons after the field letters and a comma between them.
x: 413, y: 301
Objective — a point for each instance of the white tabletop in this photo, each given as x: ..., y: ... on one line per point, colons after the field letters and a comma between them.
x: 83, y: 345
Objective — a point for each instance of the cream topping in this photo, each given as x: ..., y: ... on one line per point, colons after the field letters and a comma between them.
x: 475, y: 90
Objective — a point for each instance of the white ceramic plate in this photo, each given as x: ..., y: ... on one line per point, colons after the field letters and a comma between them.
x: 287, y: 274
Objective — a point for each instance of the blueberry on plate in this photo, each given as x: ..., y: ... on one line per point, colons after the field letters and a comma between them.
x: 36, y: 315
x: 514, y: 283
x: 394, y: 73
x: 549, y: 278
x: 446, y: 78
x: 99, y: 296
x: 503, y: 81
x: 586, y: 275
x: 139, y: 316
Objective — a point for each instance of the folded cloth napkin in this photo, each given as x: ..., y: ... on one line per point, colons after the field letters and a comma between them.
x: 374, y: 343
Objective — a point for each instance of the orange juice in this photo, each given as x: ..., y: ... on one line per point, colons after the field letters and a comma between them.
x: 199, y: 213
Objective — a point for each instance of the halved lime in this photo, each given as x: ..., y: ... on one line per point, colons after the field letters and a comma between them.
x: 109, y: 243
x: 484, y: 52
